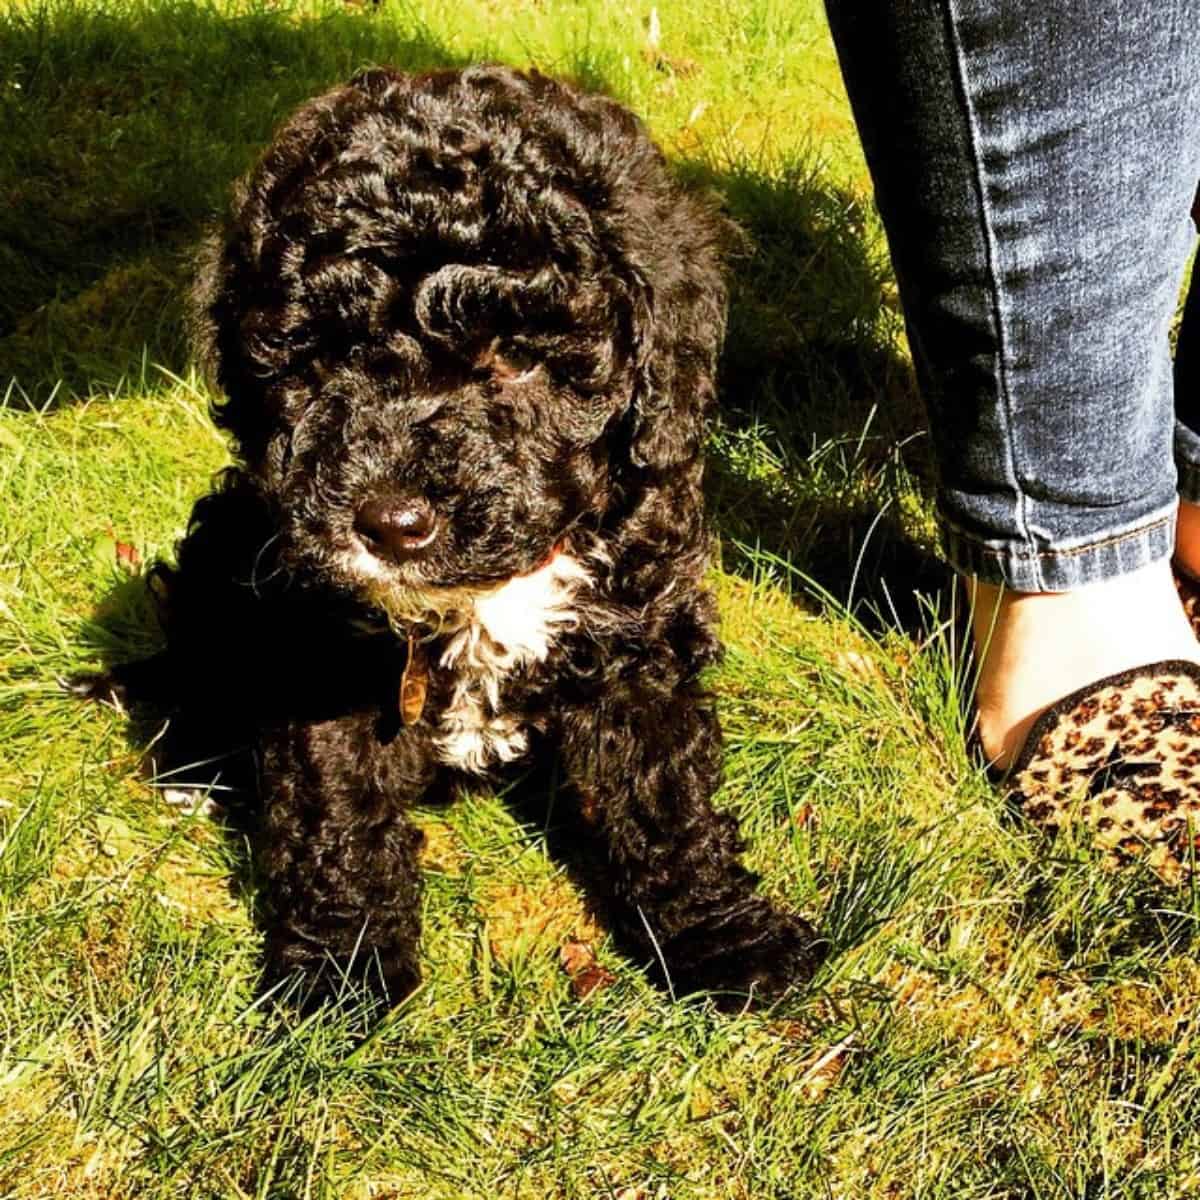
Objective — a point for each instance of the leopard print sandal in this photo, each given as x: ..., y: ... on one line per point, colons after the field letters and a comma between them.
x: 1122, y: 758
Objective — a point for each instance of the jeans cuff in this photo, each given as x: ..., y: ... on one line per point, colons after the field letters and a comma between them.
x: 1025, y: 568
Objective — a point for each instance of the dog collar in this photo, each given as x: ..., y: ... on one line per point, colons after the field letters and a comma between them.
x: 414, y: 682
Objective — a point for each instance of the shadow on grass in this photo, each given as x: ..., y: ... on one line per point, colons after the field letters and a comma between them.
x: 822, y: 459
x: 213, y: 771
x: 124, y: 128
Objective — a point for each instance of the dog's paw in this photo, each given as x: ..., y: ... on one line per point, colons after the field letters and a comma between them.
x: 142, y: 680
x: 192, y: 800
x: 755, y: 958
x: 308, y: 979
x: 786, y: 958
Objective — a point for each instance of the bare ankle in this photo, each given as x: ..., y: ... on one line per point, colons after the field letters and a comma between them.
x: 1032, y: 649
x: 1187, y: 539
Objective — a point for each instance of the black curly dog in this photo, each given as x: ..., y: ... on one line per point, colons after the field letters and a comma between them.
x: 467, y: 325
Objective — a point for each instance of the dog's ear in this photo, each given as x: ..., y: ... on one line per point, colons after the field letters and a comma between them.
x: 217, y: 324
x: 210, y: 326
x: 678, y: 328
x: 201, y: 324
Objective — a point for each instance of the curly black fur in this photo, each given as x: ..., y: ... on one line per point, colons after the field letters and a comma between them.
x: 483, y: 289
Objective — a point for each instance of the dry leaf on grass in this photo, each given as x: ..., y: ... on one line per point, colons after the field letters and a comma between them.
x: 825, y: 1070
x: 110, y: 547
x: 578, y: 959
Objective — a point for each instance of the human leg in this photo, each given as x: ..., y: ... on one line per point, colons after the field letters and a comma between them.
x: 1034, y: 166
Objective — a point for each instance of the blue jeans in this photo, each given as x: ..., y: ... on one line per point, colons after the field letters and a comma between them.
x: 1035, y: 163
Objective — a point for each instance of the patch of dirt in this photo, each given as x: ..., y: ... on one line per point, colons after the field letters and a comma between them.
x: 536, y: 918
x: 443, y: 850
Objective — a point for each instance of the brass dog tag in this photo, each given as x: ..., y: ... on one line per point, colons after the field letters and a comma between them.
x: 414, y: 683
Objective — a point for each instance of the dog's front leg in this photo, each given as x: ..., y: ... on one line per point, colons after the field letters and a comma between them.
x: 339, y: 856
x: 645, y: 762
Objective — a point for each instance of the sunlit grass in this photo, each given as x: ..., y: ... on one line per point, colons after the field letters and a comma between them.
x: 997, y: 1018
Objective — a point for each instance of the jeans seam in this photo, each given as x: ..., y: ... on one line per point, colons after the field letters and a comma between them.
x: 1074, y: 551
x: 1003, y: 391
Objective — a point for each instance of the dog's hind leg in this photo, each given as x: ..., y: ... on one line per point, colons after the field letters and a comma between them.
x: 645, y: 763
x: 339, y: 857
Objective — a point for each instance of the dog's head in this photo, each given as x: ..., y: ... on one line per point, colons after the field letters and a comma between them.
x: 457, y: 317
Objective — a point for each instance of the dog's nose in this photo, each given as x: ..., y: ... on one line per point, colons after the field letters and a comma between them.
x: 398, y: 528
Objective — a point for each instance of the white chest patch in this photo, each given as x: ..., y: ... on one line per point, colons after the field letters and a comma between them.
x: 509, y: 628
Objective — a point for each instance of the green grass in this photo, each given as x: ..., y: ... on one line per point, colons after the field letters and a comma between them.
x: 996, y: 1018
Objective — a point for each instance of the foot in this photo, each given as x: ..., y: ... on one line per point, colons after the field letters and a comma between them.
x: 1036, y: 647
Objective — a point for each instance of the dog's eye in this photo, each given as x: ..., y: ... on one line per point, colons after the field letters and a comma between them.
x: 511, y: 361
